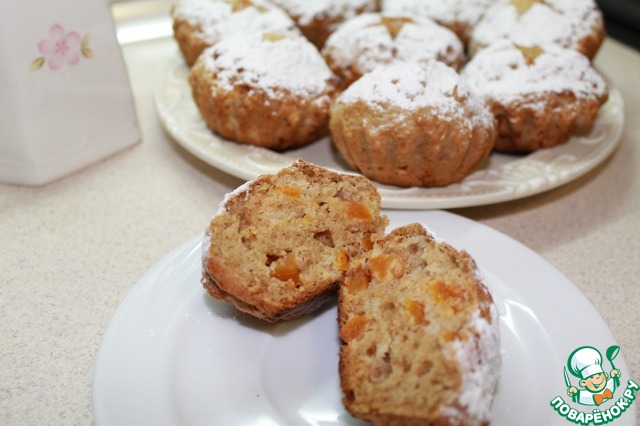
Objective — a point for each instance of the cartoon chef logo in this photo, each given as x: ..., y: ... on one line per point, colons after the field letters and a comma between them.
x: 596, y: 386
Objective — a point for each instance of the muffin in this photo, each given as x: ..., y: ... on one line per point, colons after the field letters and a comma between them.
x: 198, y: 24
x: 540, y: 95
x: 271, y: 90
x: 460, y: 16
x: 280, y: 245
x: 319, y: 18
x: 420, y: 334
x: 408, y: 124
x: 574, y: 24
x: 372, y: 39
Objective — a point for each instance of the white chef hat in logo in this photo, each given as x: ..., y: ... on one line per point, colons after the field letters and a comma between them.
x: 585, y: 361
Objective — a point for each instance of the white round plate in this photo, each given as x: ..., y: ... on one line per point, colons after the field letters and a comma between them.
x: 172, y: 355
x: 501, y: 178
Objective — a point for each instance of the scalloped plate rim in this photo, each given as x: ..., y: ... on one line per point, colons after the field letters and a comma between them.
x: 247, y: 162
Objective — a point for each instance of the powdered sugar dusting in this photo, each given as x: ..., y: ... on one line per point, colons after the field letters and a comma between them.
x: 306, y: 11
x: 564, y: 22
x: 365, y: 42
x: 502, y: 73
x: 202, y: 12
x: 291, y: 64
x: 481, y: 363
x: 214, y: 19
x: 245, y: 187
x: 466, y: 12
x: 409, y: 86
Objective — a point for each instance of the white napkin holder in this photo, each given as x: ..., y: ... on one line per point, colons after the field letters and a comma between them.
x: 66, y: 98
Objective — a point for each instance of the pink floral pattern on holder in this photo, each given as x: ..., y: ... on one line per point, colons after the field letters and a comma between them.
x: 61, y: 47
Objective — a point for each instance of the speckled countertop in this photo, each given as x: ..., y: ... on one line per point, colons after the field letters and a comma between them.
x: 72, y: 250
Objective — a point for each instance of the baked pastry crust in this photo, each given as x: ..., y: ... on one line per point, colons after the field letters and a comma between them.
x: 272, y: 90
x: 574, y: 24
x: 317, y: 19
x: 407, y: 124
x: 540, y: 96
x: 198, y: 24
x: 279, y: 245
x: 420, y: 334
x: 372, y: 39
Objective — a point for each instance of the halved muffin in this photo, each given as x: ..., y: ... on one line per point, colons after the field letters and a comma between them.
x: 280, y: 245
x: 420, y: 332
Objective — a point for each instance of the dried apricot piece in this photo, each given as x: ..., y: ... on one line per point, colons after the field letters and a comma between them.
x: 342, y: 261
x: 523, y: 6
x: 415, y: 309
x: 354, y: 328
x: 358, y: 211
x: 367, y: 244
x: 530, y: 53
x: 286, y: 269
x: 272, y: 37
x: 394, y: 24
x: 449, y: 295
x: 358, y: 280
x: 291, y: 191
x: 238, y: 5
x: 384, y: 264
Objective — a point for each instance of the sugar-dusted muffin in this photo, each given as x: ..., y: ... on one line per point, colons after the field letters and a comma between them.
x: 317, y: 19
x: 575, y: 24
x: 372, y: 39
x: 540, y: 95
x: 272, y: 90
x: 198, y: 24
x: 409, y: 124
x: 420, y: 334
x: 280, y: 245
x: 460, y: 16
